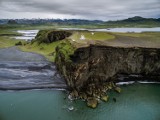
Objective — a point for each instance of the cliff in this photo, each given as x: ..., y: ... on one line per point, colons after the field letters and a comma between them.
x: 49, y: 36
x: 91, y: 71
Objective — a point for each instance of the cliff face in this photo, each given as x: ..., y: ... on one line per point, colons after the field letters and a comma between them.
x: 99, y: 64
x: 49, y: 36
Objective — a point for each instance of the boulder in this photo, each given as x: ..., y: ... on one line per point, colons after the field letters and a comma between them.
x: 92, y: 102
x: 105, y: 98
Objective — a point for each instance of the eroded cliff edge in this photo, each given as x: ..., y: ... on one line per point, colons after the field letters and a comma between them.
x: 90, y: 71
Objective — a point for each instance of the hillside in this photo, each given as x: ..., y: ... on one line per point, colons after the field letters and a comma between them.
x: 136, y: 21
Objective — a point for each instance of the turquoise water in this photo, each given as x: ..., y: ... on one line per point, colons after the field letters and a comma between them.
x: 136, y: 102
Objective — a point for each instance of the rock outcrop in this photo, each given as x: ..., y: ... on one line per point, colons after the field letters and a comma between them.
x: 103, y: 63
x: 92, y: 71
x: 49, y: 36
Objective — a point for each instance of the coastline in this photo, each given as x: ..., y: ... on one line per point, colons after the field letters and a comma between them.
x: 26, y: 70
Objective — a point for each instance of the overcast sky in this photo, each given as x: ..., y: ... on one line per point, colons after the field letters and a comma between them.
x: 83, y: 9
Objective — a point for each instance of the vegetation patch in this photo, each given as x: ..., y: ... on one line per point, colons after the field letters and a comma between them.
x: 47, y: 50
x: 86, y: 35
x: 6, y: 42
x: 149, y: 36
x: 66, y: 49
x: 49, y: 36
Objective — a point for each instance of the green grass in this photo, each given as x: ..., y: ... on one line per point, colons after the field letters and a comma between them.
x: 6, y: 42
x: 67, y: 49
x: 6, y: 39
x: 152, y: 36
x: 47, y: 50
x: 89, y: 36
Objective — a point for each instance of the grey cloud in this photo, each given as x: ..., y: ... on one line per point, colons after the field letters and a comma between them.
x: 97, y: 9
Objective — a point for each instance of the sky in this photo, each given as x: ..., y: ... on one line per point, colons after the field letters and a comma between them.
x: 79, y: 9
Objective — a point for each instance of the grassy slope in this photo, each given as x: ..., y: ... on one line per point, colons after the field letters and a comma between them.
x: 6, y: 39
x: 6, y: 42
x: 47, y: 50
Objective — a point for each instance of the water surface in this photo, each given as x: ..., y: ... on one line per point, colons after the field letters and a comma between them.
x: 27, y: 35
x: 136, y: 102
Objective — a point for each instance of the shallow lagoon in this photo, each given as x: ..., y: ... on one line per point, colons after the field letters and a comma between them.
x: 26, y: 34
x: 136, y: 102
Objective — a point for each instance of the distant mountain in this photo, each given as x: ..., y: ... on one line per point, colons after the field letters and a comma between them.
x: 141, y: 19
x: 50, y: 21
x: 138, y: 19
x: 135, y: 21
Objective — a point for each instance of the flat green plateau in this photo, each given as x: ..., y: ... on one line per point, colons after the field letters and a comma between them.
x: 91, y: 35
x: 145, y: 39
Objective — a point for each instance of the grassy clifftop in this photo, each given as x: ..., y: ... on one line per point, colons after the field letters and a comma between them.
x: 46, y: 41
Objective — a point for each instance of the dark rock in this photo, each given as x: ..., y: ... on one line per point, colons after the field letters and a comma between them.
x: 46, y: 36
x: 118, y: 89
x: 92, y: 102
x: 94, y: 80
x: 74, y: 94
x: 114, y: 99
x: 18, y: 43
x: 105, y: 98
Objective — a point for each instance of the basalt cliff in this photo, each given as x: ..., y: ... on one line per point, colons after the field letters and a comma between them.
x: 93, y: 65
x: 93, y: 70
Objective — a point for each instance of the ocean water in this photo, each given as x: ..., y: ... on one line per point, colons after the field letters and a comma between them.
x: 136, y: 102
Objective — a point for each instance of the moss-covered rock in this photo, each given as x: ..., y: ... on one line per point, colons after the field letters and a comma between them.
x: 74, y: 94
x: 118, y: 89
x: 92, y: 102
x: 105, y: 98
x: 49, y: 36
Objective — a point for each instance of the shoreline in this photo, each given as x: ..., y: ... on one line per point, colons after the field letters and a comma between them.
x: 65, y: 87
x: 28, y: 72
x: 55, y: 87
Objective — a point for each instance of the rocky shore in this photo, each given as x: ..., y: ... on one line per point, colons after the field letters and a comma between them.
x: 92, y: 66
x: 91, y: 72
